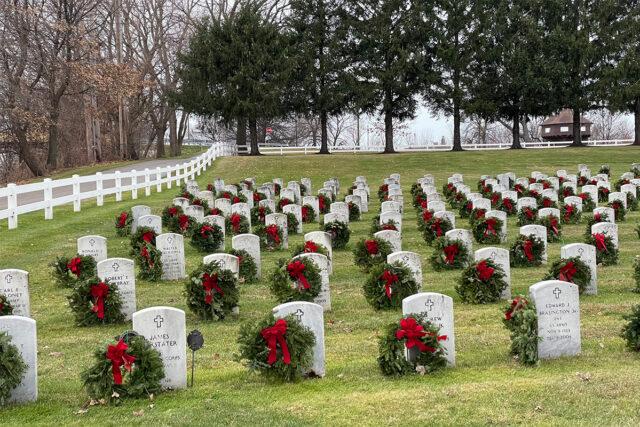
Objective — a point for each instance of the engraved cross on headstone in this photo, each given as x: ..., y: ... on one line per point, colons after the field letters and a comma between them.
x: 580, y: 251
x: 493, y: 255
x: 92, y: 242
x: 429, y: 304
x: 159, y: 320
x: 115, y: 266
x: 8, y: 278
x: 557, y: 292
x: 170, y: 240
x: 299, y: 313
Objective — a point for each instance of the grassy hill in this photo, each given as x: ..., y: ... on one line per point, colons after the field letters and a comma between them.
x: 486, y: 387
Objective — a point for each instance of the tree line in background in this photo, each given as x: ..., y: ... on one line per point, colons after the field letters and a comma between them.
x: 507, y: 61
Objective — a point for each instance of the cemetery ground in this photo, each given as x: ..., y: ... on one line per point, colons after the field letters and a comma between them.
x: 600, y: 386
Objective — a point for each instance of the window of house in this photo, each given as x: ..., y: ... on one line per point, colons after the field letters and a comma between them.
x: 564, y: 128
x: 547, y: 130
x: 583, y: 128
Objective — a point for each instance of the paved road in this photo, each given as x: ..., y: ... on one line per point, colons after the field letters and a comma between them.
x: 38, y: 196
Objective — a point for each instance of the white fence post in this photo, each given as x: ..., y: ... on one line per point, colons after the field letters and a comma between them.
x: 118, y: 187
x: 76, y: 193
x: 134, y: 184
x: 168, y: 178
x: 48, y: 199
x: 147, y: 182
x: 99, y: 193
x: 158, y: 179
x: 12, y: 206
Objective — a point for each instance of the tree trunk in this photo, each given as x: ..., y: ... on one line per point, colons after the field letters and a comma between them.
x: 577, y: 133
x: 636, y: 114
x: 52, y: 154
x: 26, y: 153
x: 388, y: 133
x: 324, y: 145
x: 253, y: 133
x: 160, y: 131
x: 515, y: 133
x: 241, y: 132
x: 457, y: 142
x: 173, y: 134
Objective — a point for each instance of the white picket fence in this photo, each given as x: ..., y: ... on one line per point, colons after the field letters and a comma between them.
x: 103, y: 184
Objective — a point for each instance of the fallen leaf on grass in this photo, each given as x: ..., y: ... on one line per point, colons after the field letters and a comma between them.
x: 138, y: 413
x: 586, y: 377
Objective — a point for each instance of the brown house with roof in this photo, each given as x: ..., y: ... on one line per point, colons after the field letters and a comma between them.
x: 560, y: 127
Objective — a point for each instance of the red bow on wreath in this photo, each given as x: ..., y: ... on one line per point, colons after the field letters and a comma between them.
x: 235, y: 222
x: 547, y: 202
x: 480, y: 213
x: 436, y: 226
x: 256, y: 197
x: 484, y: 270
x: 528, y: 250
x: 553, y: 222
x: 148, y: 236
x: 450, y: 253
x: 118, y: 356
x: 75, y: 265
x: 122, y: 221
x: 601, y: 244
x: 272, y: 231
x: 426, y: 215
x: 584, y: 196
x: 507, y: 204
x: 389, y: 226
x: 145, y: 254
x: 529, y: 213
x: 205, y: 229
x: 495, y: 198
x: 99, y: 292
x: 173, y: 211
x: 597, y: 217
x: 424, y: 204
x: 517, y: 303
x: 236, y: 199
x: 491, y: 224
x: 412, y: 332
x: 274, y: 335
x: 210, y: 284
x: 296, y: 272
x: 371, y: 246
x: 321, y: 204
x: 184, y: 222
x: 389, y: 279
x: 568, y: 211
x: 305, y: 213
x: 310, y: 247
x: 567, y: 272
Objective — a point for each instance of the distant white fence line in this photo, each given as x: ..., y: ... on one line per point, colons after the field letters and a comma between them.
x: 267, y: 149
x: 42, y: 193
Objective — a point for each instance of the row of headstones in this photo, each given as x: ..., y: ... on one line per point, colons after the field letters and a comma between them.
x: 557, y: 306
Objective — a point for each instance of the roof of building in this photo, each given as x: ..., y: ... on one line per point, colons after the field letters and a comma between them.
x: 564, y: 117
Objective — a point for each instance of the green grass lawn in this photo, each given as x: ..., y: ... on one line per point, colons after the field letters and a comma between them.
x: 601, y: 386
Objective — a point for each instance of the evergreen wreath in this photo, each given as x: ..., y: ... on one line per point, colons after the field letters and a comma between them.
x: 323, y: 203
x: 128, y: 368
x: 481, y: 283
x: 388, y: 284
x: 182, y: 224
x: 383, y: 192
x: 295, y: 280
x: 96, y: 302
x: 595, y: 219
x: 603, y: 194
x: 259, y: 213
x: 370, y: 252
x: 632, y: 202
x: 636, y: 273
x: 140, y: 237
x: 308, y: 214
x: 508, y: 206
x: 197, y: 201
x: 535, y: 195
x: 277, y: 187
x: 185, y: 194
x: 414, y: 333
x: 149, y: 260
x: 310, y: 247
x: 68, y: 271
x: 240, y: 198
x: 339, y: 232
x: 606, y: 169
x: 6, y: 309
x: 257, y: 197
x: 169, y: 214
x: 520, y: 189
x: 570, y: 214
x: 390, y: 224
x: 123, y: 223
x: 495, y: 199
x: 211, y: 292
x: 526, y: 251
x: 215, y: 211
x: 548, y: 202
x: 636, y: 170
x: 527, y: 216
x: 424, y: 216
x: 631, y: 330
x: 278, y: 349
x: 572, y: 270
x: 565, y: 192
x: 476, y: 216
x: 271, y: 236
x: 449, y: 254
x: 588, y: 205
x: 436, y: 228
x: 248, y: 270
x: 554, y: 229
x: 457, y: 201
x: 619, y: 183
x: 12, y: 367
x: 521, y: 319
x: 488, y: 230
x: 619, y: 210
x: 207, y: 237
x: 284, y: 202
x: 606, y: 252
x: 354, y: 212
x: 237, y: 224
x: 419, y: 199
x: 449, y: 189
x: 465, y: 209
x: 292, y: 223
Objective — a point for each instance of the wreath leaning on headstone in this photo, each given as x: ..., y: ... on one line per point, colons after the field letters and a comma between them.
x: 197, y: 201
x: 388, y: 284
x: 631, y: 330
x: 507, y: 206
x: 595, y: 219
x: 308, y: 214
x: 237, y: 224
x: 128, y: 368
x: 526, y: 251
x: 295, y: 280
x: 310, y: 247
x: 142, y: 236
x: 570, y: 214
x: 212, y: 292
x: 476, y: 215
x: 12, y: 367
x: 481, y: 283
x: 6, y: 309
x: 207, y: 237
x: 417, y: 336
x: 465, y: 209
x: 521, y: 319
x: 181, y: 224
x: 248, y: 270
x: 271, y: 236
x: 259, y: 213
x: 170, y: 214
x: 488, y: 230
x: 149, y: 260
x: 588, y: 205
x: 279, y: 349
x: 554, y: 229
x: 68, y: 271
x: 606, y: 252
x: 339, y: 232
x: 323, y: 203
x: 527, y: 216
x: 619, y: 210
x: 370, y: 252
x: 572, y: 270
x: 96, y: 302
x: 123, y: 223
x: 436, y: 228
x: 449, y: 254
x: 354, y: 212
x: 283, y: 202
x: 292, y: 223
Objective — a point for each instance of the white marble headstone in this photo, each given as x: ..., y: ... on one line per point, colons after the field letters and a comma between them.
x: 14, y: 285
x: 280, y: 220
x: 500, y: 256
x: 322, y: 262
x: 95, y: 246
x: 121, y: 272
x: 393, y: 237
x: 587, y: 254
x: 539, y: 231
x: 225, y: 262
x: 251, y: 244
x: 137, y: 212
x: 411, y: 260
x: 171, y: 245
x: 296, y: 210
x: 463, y: 235
x: 152, y: 221
x: 22, y: 331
